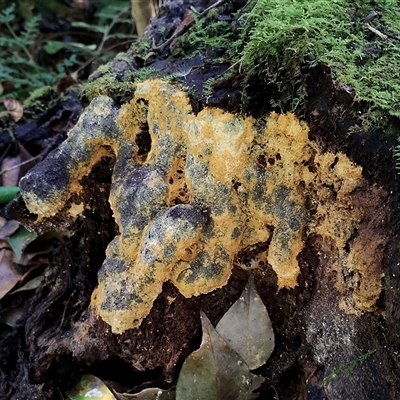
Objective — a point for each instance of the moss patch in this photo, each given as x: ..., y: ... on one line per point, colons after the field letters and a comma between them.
x: 109, y: 85
x: 282, y: 40
x: 208, y: 34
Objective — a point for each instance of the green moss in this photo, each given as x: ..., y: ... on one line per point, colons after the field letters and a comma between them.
x: 123, y: 57
x: 283, y: 40
x: 142, y: 47
x: 143, y: 74
x: 37, y: 94
x: 108, y: 85
x: 280, y: 42
x: 105, y: 69
x: 208, y: 33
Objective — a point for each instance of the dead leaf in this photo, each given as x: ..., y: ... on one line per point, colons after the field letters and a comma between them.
x: 13, y: 168
x: 10, y: 169
x: 8, y: 228
x: 19, y: 240
x: 248, y: 329
x: 9, y: 276
x: 187, y: 19
x: 12, y: 315
x: 29, y: 257
x: 30, y: 285
x: 27, y: 160
x: 90, y: 387
x: 149, y: 394
x: 32, y: 271
x: 215, y: 371
x: 14, y: 108
x: 67, y: 81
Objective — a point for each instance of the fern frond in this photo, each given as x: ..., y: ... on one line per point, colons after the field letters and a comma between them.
x: 31, y: 30
x: 7, y: 15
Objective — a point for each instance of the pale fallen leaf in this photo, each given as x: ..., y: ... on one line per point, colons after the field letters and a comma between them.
x: 215, y: 371
x: 247, y: 328
x: 14, y: 108
x: 9, y: 276
x: 8, y: 228
x: 11, y: 167
x: 90, y: 387
x: 149, y: 394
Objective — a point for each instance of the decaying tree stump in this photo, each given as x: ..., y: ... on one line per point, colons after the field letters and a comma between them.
x: 172, y: 201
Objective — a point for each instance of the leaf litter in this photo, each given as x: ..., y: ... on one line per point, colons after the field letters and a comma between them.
x: 221, y: 368
x: 216, y: 371
x: 18, y: 260
x: 248, y: 329
x: 9, y: 275
x: 149, y: 394
x: 90, y: 387
x: 16, y: 165
x: 14, y: 108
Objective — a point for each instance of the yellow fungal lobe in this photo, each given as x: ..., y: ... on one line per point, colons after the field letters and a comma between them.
x: 190, y: 192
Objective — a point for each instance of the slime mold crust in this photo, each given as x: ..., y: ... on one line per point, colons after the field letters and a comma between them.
x: 189, y: 192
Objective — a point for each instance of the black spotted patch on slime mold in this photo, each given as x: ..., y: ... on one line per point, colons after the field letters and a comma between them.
x: 191, y: 191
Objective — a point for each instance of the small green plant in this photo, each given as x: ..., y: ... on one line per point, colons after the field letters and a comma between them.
x: 347, y: 368
x: 143, y: 46
x: 21, y: 41
x: 208, y: 88
x: 17, y: 63
x: 113, y: 22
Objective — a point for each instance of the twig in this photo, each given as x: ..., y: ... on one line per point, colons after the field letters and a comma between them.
x: 373, y: 14
x: 186, y: 27
x: 374, y: 30
x: 232, y: 66
x: 20, y: 164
